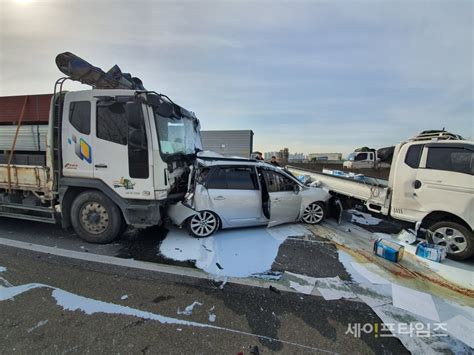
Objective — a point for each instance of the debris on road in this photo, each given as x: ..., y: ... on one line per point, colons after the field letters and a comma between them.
x: 388, y: 250
x: 431, y: 251
x: 189, y: 309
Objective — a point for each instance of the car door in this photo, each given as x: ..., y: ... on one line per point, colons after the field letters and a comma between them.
x: 285, y: 199
x: 121, y: 154
x: 235, y: 196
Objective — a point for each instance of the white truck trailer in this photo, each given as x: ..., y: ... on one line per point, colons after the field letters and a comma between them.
x: 108, y: 157
x: 431, y: 181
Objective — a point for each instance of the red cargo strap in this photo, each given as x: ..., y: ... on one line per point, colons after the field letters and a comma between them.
x: 10, y: 157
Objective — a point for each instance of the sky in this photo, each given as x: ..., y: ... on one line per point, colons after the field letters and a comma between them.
x: 313, y: 76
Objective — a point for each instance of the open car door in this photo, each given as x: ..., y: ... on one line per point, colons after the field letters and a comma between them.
x: 284, y: 197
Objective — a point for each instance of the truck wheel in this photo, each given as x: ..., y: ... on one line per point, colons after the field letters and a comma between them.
x: 458, y: 240
x: 95, y: 218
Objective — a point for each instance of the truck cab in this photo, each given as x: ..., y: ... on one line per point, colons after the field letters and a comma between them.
x: 432, y: 182
x: 114, y: 157
x: 360, y: 160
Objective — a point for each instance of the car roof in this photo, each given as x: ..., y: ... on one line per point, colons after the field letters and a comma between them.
x: 232, y: 161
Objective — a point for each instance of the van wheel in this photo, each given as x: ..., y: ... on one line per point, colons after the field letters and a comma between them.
x: 458, y: 240
x: 203, y: 224
x: 95, y: 218
x: 314, y: 213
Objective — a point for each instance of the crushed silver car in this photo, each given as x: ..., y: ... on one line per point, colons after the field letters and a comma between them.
x: 236, y: 192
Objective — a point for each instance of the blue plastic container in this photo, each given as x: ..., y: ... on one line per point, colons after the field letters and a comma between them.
x: 388, y: 250
x: 431, y: 251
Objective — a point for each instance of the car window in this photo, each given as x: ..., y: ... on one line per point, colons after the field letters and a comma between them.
x: 278, y: 182
x: 458, y: 160
x: 412, y: 159
x: 233, y: 178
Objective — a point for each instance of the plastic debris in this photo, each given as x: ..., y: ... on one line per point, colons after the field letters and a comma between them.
x: 388, y: 250
x: 431, y: 251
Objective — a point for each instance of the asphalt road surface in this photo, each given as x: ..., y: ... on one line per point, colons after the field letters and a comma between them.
x: 247, y: 319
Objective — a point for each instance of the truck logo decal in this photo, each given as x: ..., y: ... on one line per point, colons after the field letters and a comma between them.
x: 82, y: 149
x: 125, y: 183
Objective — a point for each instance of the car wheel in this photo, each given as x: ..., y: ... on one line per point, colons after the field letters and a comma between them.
x: 457, y: 239
x: 95, y: 218
x: 314, y: 213
x: 203, y: 224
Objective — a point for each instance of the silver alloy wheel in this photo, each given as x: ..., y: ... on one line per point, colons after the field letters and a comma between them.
x: 451, y: 238
x: 203, y: 224
x: 94, y: 218
x: 313, y: 214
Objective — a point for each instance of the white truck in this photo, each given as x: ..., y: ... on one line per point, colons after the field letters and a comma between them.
x: 113, y: 156
x: 431, y: 181
x: 364, y: 159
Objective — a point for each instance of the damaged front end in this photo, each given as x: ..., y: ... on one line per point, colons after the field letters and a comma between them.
x: 182, y: 209
x: 179, y: 140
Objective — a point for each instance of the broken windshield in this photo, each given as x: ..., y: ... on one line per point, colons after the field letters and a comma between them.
x: 178, y: 135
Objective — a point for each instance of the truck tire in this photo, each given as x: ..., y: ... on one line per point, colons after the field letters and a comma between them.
x: 95, y: 218
x: 458, y: 239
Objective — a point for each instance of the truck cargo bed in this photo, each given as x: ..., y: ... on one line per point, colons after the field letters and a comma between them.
x: 374, y: 193
x: 26, y: 177
x: 30, y: 138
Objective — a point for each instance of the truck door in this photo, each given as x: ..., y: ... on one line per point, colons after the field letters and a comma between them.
x: 445, y: 181
x: 122, y: 158
x: 361, y: 160
x: 77, y: 135
x: 285, y: 200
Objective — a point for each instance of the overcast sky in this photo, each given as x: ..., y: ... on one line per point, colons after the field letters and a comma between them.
x: 314, y: 76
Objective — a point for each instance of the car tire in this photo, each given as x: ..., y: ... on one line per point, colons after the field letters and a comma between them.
x: 95, y: 218
x: 458, y: 239
x: 203, y: 224
x: 314, y: 213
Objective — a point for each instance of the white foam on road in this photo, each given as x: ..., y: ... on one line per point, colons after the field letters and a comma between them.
x: 363, y: 218
x: 72, y: 302
x: 189, y: 309
x: 414, y: 301
x: 233, y: 253
x: 403, y: 307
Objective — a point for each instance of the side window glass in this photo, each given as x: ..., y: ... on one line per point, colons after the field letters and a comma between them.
x: 272, y: 181
x: 112, y: 122
x: 412, y: 159
x: 450, y: 159
x: 80, y: 116
x: 286, y: 184
x: 217, y: 180
x: 233, y: 178
x: 361, y: 156
x: 241, y: 178
x: 138, y: 165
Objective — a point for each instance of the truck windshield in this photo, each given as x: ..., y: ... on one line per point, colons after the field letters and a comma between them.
x: 351, y: 156
x: 178, y: 136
